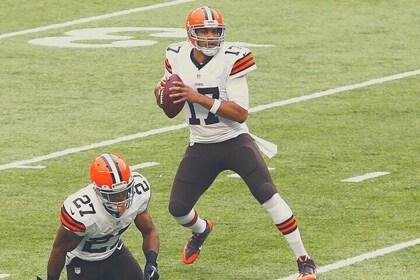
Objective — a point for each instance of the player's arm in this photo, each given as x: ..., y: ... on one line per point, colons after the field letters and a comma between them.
x: 228, y: 109
x: 65, y: 241
x: 151, y: 243
x: 145, y: 225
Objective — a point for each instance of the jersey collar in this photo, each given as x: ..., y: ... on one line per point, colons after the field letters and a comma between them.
x: 195, y: 61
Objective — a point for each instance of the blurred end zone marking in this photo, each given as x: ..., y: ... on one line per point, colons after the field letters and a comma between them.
x: 176, y: 127
x: 94, y: 18
x: 2, y: 276
x: 143, y: 165
x: 360, y: 258
x: 365, y: 177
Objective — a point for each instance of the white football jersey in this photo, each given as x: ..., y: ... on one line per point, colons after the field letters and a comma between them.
x: 213, y: 79
x: 84, y: 214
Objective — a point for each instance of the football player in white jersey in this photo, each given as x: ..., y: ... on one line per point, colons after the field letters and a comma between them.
x: 93, y: 221
x: 215, y: 89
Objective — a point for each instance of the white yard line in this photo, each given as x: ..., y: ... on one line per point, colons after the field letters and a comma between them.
x: 143, y: 165
x: 2, y: 276
x: 19, y: 164
x: 94, y: 18
x: 365, y: 177
x: 336, y: 90
x: 360, y: 258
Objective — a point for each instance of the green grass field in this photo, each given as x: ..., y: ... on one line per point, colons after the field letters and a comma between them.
x: 54, y: 99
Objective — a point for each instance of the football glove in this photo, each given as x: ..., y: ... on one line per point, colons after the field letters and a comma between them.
x: 151, y: 272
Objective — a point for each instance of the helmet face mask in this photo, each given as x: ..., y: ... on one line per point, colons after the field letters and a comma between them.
x: 111, y: 178
x: 201, y: 22
x: 117, y: 199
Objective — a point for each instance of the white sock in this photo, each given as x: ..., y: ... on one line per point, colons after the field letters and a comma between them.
x: 283, y: 218
x: 192, y: 221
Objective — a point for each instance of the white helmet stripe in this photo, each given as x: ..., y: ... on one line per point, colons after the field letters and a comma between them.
x: 115, y: 170
x: 209, y: 14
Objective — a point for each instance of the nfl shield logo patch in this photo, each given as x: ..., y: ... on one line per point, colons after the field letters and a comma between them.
x: 77, y: 270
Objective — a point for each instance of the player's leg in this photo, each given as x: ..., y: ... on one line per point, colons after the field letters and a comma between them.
x: 192, y: 248
x: 195, y: 174
x: 250, y: 165
x: 122, y: 265
x: 79, y: 269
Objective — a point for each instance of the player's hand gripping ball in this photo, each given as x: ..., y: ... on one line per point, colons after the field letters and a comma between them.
x: 170, y: 108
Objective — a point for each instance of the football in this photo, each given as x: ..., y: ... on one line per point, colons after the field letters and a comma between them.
x: 169, y: 107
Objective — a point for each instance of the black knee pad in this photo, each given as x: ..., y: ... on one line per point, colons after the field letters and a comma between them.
x: 264, y: 192
x: 178, y: 209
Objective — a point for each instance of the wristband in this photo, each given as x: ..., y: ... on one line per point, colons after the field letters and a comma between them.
x: 49, y: 277
x: 151, y: 257
x: 215, y: 106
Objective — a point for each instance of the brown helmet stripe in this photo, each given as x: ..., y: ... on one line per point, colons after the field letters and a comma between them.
x: 208, y: 12
x: 113, y: 167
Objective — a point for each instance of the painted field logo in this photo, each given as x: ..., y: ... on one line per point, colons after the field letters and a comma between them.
x: 116, y: 37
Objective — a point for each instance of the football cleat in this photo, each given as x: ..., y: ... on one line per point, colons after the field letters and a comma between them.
x: 307, y: 268
x: 193, y: 247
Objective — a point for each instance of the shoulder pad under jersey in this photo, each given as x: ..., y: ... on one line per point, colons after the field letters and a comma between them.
x: 77, y: 209
x: 241, y: 59
x: 172, y: 54
x: 142, y: 192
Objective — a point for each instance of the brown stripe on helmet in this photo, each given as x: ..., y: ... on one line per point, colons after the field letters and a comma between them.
x: 109, y: 168
x: 117, y: 166
x: 212, y: 13
x: 113, y: 163
x: 208, y: 13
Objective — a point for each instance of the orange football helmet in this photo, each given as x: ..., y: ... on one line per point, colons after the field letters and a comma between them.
x: 206, y: 18
x: 113, y: 183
